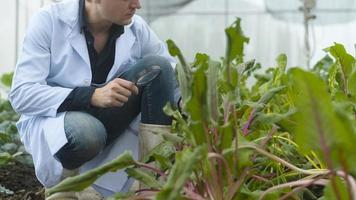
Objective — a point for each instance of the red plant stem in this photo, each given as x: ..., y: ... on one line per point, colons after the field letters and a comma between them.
x: 292, y: 184
x: 269, y: 136
x: 219, y: 164
x: 213, y: 172
x: 192, y: 195
x: 345, y: 169
x: 247, y: 125
x: 265, y: 141
x: 284, y: 197
x: 220, y: 178
x: 260, y: 178
x: 147, y: 196
x: 216, y: 180
x: 227, y: 111
x: 325, y: 148
x: 351, y: 181
x: 216, y: 183
x: 216, y: 135
x: 228, y: 71
x: 208, y: 141
x: 198, y: 186
x: 222, y: 159
x: 147, y: 190
x: 232, y: 189
x: 236, y: 134
x: 209, y: 190
x: 147, y: 166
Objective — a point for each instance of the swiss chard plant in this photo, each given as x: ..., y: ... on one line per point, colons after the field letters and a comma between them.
x: 288, y: 136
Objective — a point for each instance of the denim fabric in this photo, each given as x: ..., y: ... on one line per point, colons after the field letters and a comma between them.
x: 88, y: 131
x: 86, y: 138
x: 156, y: 94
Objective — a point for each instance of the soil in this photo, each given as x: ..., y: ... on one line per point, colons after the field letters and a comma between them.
x: 22, y: 181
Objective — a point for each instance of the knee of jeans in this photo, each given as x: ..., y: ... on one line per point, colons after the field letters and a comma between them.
x: 85, y: 132
x: 166, y: 77
x: 166, y: 67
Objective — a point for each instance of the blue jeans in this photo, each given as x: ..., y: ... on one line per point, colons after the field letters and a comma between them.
x: 89, y: 131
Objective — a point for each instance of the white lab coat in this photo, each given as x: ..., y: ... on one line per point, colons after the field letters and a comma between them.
x: 53, y: 61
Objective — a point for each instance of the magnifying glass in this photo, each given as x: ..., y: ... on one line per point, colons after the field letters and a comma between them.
x: 143, y: 78
x: 147, y: 75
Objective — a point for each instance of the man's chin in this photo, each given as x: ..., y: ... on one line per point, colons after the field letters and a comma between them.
x: 125, y: 22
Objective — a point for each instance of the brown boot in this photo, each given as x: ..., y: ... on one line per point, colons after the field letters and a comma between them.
x: 149, y: 137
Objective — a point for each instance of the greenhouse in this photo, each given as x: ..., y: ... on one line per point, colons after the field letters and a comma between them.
x: 178, y: 99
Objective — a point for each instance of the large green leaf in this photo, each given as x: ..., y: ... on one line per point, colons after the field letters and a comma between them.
x: 270, y: 94
x: 183, y: 70
x: 175, y: 51
x: 80, y: 182
x: 162, y: 161
x: 322, y: 66
x: 182, y: 125
x: 182, y: 169
x: 235, y: 42
x: 226, y: 133
x: 345, y: 61
x: 280, y: 71
x: 196, y: 106
x: 318, y: 125
x: 352, y: 86
x: 144, y: 177
x: 332, y: 82
x: 165, y: 149
x: 273, y: 118
x: 212, y: 96
x: 257, y: 110
x: 329, y: 192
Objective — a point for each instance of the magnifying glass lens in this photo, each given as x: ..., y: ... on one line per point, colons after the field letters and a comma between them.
x: 148, y: 75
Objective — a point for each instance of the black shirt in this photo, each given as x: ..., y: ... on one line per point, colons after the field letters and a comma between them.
x: 101, y: 63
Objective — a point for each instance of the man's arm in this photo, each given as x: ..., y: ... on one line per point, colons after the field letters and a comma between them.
x: 114, y: 94
x: 78, y: 99
x: 30, y: 94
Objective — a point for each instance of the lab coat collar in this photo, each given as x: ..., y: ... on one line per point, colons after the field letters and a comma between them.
x: 69, y: 14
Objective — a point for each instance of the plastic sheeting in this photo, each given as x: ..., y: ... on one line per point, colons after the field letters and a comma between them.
x: 198, y: 26
x: 269, y: 36
x: 9, y: 24
x: 328, y: 11
x: 153, y: 9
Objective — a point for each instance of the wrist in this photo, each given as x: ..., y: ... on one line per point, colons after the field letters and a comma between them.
x: 93, y: 100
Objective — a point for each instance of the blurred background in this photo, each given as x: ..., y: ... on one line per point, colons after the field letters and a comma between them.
x: 299, y: 28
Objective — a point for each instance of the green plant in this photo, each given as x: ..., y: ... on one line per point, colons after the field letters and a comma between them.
x: 275, y: 140
x: 11, y: 148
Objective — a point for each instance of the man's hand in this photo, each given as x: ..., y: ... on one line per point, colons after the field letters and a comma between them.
x: 114, y: 94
